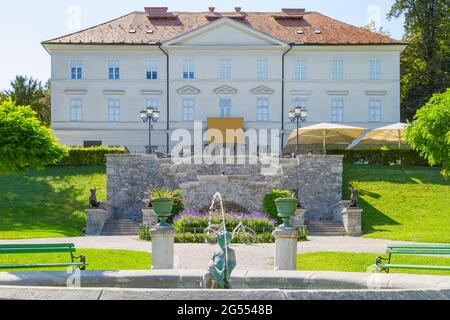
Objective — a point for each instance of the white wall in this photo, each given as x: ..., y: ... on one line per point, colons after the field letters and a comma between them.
x: 95, y: 89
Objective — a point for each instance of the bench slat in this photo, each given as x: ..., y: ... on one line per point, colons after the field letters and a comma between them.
x: 45, y: 245
x: 419, y: 251
x: 43, y: 265
x: 419, y: 246
x: 37, y: 250
x: 411, y: 266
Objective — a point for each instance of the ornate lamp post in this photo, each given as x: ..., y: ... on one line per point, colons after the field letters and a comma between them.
x: 151, y: 116
x: 298, y: 114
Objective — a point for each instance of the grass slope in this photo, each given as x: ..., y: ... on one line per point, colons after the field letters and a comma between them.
x: 360, y: 262
x: 47, y: 203
x: 98, y: 260
x: 401, y: 202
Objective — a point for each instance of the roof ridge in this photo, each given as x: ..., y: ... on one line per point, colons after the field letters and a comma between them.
x: 90, y: 28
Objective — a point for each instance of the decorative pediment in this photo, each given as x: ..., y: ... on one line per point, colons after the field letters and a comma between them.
x: 300, y: 92
x: 262, y: 90
x: 338, y: 92
x: 376, y: 92
x: 114, y: 92
x: 225, y: 90
x: 188, y: 90
x: 151, y: 92
x: 75, y: 92
x: 225, y: 32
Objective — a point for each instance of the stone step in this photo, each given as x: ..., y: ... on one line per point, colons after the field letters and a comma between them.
x: 327, y: 234
x: 121, y: 228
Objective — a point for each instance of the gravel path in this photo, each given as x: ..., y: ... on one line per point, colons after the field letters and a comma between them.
x: 197, y: 256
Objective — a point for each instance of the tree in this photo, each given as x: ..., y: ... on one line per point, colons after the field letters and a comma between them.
x: 24, y: 141
x: 425, y: 64
x: 30, y: 92
x: 429, y: 133
x: 372, y: 27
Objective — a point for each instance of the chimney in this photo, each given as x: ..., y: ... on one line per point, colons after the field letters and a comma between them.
x: 153, y: 10
x: 238, y: 9
x: 294, y: 11
x: 212, y: 9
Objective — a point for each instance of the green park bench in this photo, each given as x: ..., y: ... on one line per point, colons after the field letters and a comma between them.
x: 384, y: 264
x: 43, y: 248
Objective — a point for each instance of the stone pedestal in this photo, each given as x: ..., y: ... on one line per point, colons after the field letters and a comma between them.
x: 285, y: 248
x: 298, y: 221
x: 95, y: 220
x: 149, y: 217
x: 351, y: 217
x: 162, y: 247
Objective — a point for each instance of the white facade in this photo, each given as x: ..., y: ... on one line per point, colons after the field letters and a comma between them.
x: 222, y: 69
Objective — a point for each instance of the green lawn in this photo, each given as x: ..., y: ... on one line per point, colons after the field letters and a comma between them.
x: 47, y: 203
x: 401, y: 202
x: 97, y: 259
x: 360, y: 262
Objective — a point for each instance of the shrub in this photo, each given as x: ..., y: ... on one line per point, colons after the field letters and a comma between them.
x: 93, y: 156
x: 303, y: 234
x: 144, y: 232
x: 381, y: 156
x: 24, y: 141
x: 269, y: 203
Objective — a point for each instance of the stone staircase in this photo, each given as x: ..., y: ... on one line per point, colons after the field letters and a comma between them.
x: 325, y: 228
x: 120, y: 228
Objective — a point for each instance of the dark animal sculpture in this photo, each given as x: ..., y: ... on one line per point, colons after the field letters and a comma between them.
x: 93, y: 203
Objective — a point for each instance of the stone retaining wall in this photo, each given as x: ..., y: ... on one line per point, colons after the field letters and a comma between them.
x: 317, y: 179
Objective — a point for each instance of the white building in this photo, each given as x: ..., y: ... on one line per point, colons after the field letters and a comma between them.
x: 196, y: 66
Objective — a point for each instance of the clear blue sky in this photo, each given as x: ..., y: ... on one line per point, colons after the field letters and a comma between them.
x: 25, y: 23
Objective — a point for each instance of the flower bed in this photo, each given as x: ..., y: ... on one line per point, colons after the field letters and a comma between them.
x: 197, y: 222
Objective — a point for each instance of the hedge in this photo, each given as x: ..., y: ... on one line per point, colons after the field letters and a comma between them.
x: 94, y: 156
x: 380, y: 156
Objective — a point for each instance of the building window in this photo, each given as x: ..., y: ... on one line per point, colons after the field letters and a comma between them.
x: 114, y: 110
x: 299, y: 102
x: 337, y: 110
x: 337, y: 70
x: 113, y: 69
x: 262, y: 69
x: 188, y: 112
x: 188, y: 69
x: 76, y: 110
x: 76, y: 69
x: 151, y: 69
x: 225, y: 108
x: 225, y: 71
x: 300, y: 70
x: 375, y: 110
x: 152, y: 102
x: 375, y: 67
x: 262, y: 109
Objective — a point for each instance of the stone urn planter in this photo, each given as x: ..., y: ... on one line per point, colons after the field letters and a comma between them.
x: 163, y: 210
x: 286, y: 208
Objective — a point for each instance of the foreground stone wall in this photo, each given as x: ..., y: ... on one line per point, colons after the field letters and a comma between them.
x: 316, y: 179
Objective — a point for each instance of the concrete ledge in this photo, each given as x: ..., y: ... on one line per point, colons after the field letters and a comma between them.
x: 51, y: 293
x: 191, y: 279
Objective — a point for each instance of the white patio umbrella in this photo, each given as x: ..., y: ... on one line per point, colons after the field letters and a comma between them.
x: 393, y: 133
x: 326, y: 133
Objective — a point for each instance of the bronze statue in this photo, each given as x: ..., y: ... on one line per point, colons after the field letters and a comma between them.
x: 222, y: 264
x: 93, y: 203
x: 354, y: 199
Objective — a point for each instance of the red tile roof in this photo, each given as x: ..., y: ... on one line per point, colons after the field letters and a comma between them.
x: 282, y: 25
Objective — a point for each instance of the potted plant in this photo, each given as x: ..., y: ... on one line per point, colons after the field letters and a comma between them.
x: 286, y: 209
x: 162, y: 203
